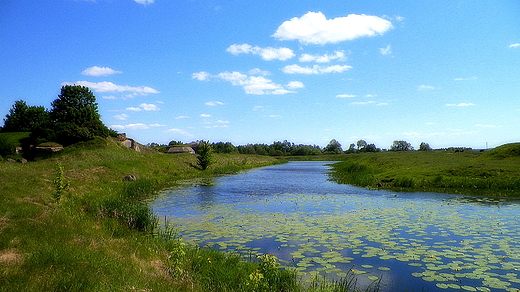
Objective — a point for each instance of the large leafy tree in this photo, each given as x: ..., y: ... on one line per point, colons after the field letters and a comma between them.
x: 75, y: 116
x: 24, y: 118
x: 76, y: 104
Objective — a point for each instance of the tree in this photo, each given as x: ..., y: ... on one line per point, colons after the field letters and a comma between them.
x: 361, y: 144
x: 424, y: 147
x: 204, y: 151
x: 75, y: 116
x: 333, y: 147
x: 24, y: 118
x: 76, y: 104
x: 401, y: 146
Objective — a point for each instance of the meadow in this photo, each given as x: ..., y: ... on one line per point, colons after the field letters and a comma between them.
x: 491, y: 173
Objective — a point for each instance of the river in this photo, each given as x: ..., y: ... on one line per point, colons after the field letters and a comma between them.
x: 404, y: 241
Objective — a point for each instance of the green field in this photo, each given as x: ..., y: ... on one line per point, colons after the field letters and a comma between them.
x: 495, y: 172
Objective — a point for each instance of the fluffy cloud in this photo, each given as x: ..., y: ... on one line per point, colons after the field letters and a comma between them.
x: 122, y: 117
x: 106, y: 86
x: 144, y: 107
x: 346, y: 95
x: 295, y: 85
x: 267, y: 54
x: 205, y: 116
x: 99, y: 71
x: 257, y: 85
x: 315, y: 28
x: 316, y: 69
x: 517, y: 45
x: 338, y: 55
x: 460, y: 104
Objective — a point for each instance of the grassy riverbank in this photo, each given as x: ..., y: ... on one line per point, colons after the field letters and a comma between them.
x: 494, y: 172
x: 96, y: 234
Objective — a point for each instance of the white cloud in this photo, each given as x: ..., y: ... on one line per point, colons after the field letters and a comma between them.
x: 122, y: 117
x: 109, y: 97
x: 149, y: 107
x: 106, y: 86
x: 338, y: 55
x: 274, y: 116
x: 466, y: 79
x: 257, y: 85
x: 346, y: 95
x: 144, y: 2
x: 386, y: 51
x: 214, y: 103
x: 315, y: 28
x: 99, y: 71
x: 182, y: 117
x: 144, y: 107
x: 382, y: 104
x: 201, y: 76
x: 316, y: 69
x: 295, y: 85
x: 425, y: 87
x: 371, y: 95
x: 460, y: 104
x: 267, y: 54
x: 178, y: 131
x: 205, y: 116
x: 517, y: 45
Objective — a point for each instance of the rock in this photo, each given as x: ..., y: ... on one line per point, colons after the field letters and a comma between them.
x: 23, y: 160
x: 10, y: 160
x: 129, y: 177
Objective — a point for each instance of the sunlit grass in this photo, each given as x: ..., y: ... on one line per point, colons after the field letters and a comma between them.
x: 472, y: 172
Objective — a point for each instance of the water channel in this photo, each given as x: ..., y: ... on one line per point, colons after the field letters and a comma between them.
x: 407, y: 241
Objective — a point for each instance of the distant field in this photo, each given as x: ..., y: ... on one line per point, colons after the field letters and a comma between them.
x: 495, y: 172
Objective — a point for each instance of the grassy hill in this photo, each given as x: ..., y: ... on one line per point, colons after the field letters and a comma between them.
x: 95, y: 235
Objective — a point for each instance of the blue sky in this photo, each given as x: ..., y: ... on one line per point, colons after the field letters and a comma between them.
x: 442, y: 72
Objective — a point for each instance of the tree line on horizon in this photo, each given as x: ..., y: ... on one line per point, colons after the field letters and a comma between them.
x: 286, y: 148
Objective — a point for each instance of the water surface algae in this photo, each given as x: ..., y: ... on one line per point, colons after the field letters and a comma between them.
x: 455, y: 244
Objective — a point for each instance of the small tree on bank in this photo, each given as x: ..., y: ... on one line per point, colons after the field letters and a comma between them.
x: 205, y: 154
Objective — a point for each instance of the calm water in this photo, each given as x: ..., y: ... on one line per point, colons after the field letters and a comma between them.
x: 410, y: 241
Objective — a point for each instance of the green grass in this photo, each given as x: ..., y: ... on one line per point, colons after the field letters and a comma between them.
x: 494, y: 172
x: 98, y: 234
x: 14, y: 137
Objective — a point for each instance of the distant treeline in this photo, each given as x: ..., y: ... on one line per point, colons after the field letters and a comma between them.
x: 287, y: 148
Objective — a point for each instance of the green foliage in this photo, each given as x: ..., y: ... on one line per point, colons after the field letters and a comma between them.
x: 24, y: 118
x: 75, y: 104
x: 7, y: 147
x: 424, y: 147
x: 334, y: 147
x: 205, y: 155
x: 60, y: 184
x: 401, y: 146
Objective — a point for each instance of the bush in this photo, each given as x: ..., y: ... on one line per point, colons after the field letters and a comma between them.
x: 7, y: 147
